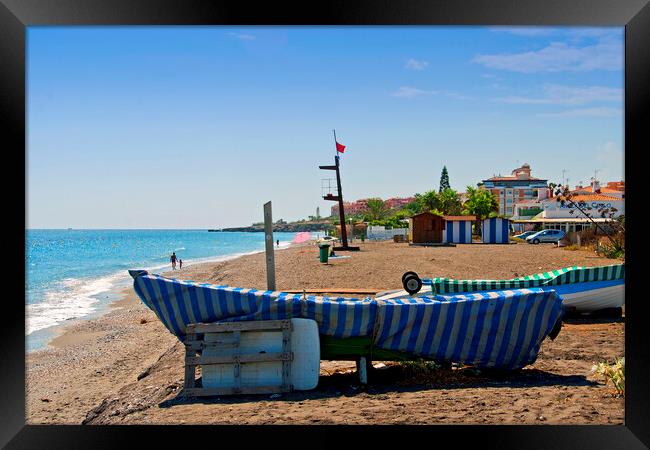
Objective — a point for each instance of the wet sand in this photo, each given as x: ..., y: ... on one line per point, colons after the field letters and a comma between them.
x: 125, y: 367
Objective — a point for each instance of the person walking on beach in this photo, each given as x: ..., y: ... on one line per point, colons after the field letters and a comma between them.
x: 173, y: 260
x: 277, y: 242
x: 180, y: 263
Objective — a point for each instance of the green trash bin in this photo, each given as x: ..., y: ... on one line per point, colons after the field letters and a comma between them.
x: 324, y: 252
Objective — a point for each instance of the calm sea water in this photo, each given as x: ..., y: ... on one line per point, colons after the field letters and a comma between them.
x: 73, y: 274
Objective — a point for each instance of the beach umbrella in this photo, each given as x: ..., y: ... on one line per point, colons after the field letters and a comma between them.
x: 302, y: 237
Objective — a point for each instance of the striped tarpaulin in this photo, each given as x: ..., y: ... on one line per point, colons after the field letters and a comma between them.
x: 566, y: 275
x: 498, y: 329
x: 495, y: 230
x: 549, y: 274
x: 179, y: 303
x: 584, y: 274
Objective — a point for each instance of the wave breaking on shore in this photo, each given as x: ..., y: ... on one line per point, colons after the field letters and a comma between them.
x: 74, y: 298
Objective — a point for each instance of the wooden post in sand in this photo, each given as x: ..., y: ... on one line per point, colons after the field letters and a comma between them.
x: 268, y: 237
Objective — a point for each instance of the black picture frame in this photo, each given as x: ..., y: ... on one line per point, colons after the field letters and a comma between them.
x: 16, y: 15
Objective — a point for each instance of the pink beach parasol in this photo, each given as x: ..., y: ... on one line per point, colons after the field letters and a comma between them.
x: 302, y: 237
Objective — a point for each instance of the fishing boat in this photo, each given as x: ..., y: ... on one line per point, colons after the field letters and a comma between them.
x: 582, y: 289
x: 499, y: 329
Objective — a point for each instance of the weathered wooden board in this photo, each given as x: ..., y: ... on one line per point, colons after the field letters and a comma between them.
x: 332, y: 291
x: 221, y: 327
x: 229, y: 335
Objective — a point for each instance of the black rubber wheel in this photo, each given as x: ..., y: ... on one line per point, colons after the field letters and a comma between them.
x: 407, y: 274
x: 412, y: 284
x: 536, y: 241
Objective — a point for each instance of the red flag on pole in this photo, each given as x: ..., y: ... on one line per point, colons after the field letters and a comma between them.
x: 340, y: 148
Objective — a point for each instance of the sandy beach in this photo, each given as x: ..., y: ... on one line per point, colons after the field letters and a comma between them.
x: 126, y: 368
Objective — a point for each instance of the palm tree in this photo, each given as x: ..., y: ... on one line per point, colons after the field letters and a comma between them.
x: 415, y: 207
x: 450, y: 203
x: 377, y: 209
x: 480, y: 203
x: 429, y: 201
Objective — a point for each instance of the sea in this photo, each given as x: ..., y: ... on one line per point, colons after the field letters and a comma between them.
x: 76, y: 274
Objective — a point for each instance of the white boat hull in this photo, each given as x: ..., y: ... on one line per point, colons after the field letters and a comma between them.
x: 580, y: 297
x: 593, y: 299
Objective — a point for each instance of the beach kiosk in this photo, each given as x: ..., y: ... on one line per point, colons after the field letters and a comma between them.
x: 426, y: 228
x: 458, y: 229
x: 495, y: 230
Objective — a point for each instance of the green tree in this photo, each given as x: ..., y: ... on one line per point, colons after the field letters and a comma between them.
x: 480, y: 203
x: 415, y: 207
x: 444, y: 180
x: 357, y: 217
x: 428, y: 201
x: 401, y: 214
x: 449, y: 202
x: 399, y: 219
x: 377, y: 209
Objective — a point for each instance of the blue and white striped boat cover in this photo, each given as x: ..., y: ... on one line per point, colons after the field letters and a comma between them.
x: 179, y: 303
x: 457, y: 232
x: 495, y: 230
x: 497, y: 329
x: 500, y: 329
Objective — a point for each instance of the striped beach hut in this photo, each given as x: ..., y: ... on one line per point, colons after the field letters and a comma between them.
x: 495, y: 230
x: 458, y: 229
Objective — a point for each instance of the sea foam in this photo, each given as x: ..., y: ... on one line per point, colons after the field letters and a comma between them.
x: 70, y: 299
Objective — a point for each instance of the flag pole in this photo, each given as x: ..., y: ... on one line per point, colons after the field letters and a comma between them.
x: 344, y: 234
x: 339, y: 197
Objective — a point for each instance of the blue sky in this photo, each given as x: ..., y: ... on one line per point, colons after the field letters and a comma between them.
x: 197, y: 127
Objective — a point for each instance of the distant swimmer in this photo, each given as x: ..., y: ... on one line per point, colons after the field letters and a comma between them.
x: 173, y: 260
x: 180, y: 263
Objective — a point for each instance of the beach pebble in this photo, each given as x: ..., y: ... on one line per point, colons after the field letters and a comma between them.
x: 46, y: 400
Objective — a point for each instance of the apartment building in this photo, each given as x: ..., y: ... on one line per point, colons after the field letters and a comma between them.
x: 518, y: 187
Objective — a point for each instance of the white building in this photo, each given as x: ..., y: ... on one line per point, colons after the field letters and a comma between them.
x: 551, y: 213
x: 592, y: 204
x: 517, y: 187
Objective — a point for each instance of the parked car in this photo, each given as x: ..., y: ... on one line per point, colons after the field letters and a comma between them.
x: 525, y: 234
x: 545, y: 236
